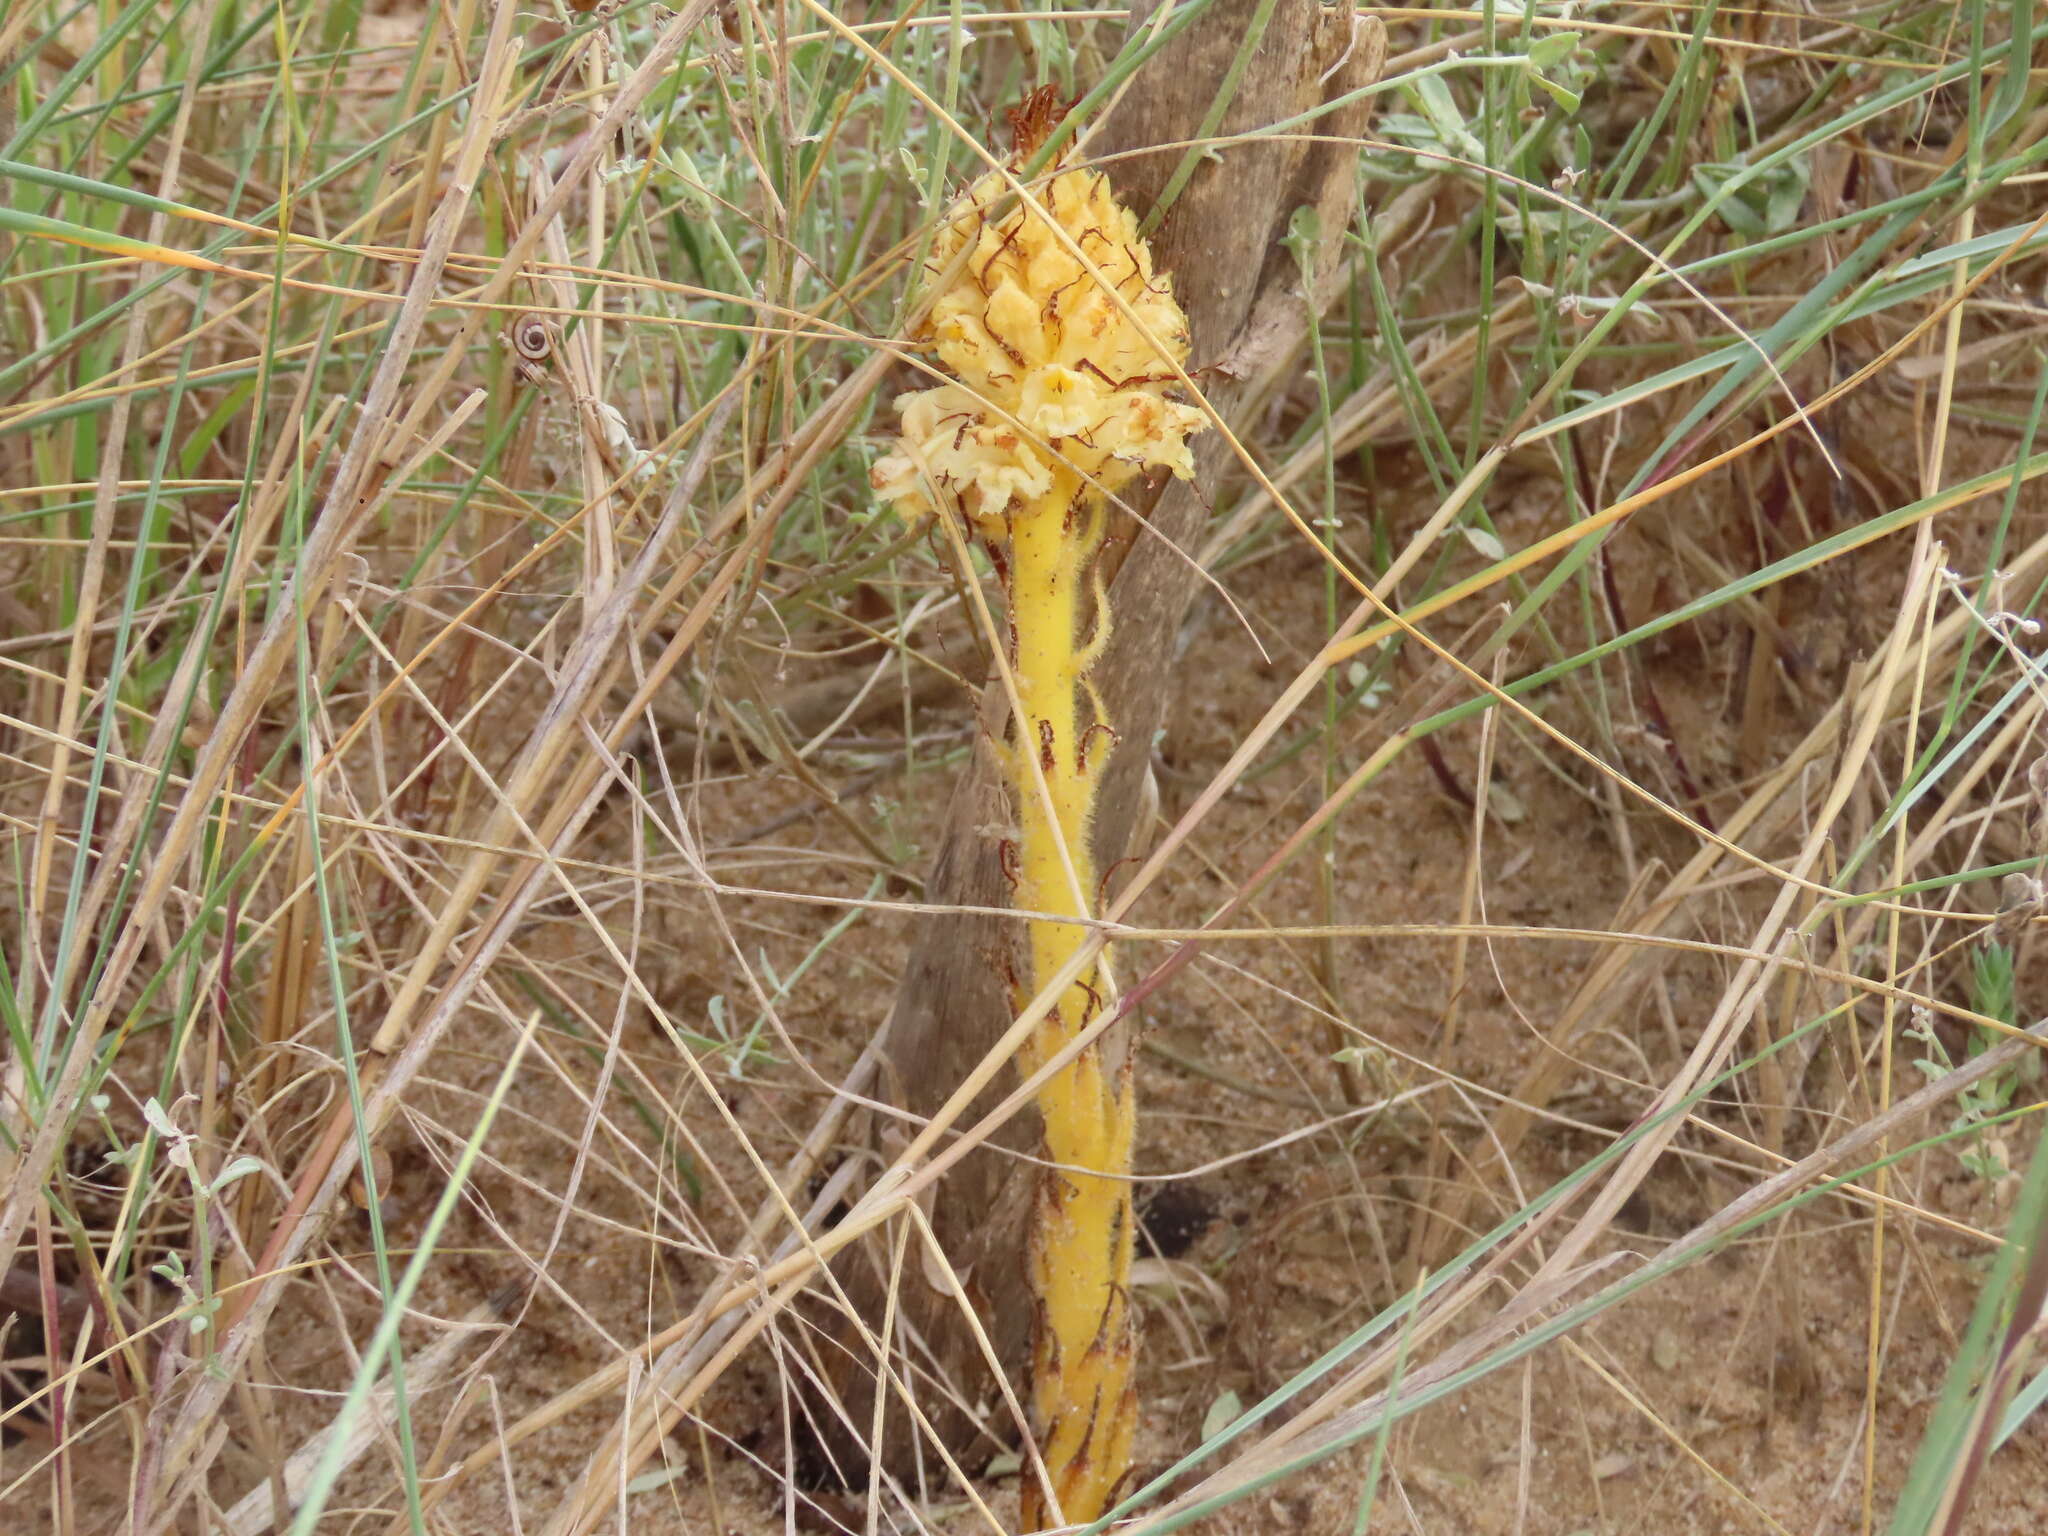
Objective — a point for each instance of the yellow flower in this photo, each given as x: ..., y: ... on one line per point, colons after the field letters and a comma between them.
x: 1061, y: 395
x: 1059, y: 389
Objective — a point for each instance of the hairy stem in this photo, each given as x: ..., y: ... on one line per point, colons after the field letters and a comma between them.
x: 1080, y: 1258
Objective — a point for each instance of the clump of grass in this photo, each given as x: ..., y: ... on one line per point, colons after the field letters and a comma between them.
x: 1675, y: 353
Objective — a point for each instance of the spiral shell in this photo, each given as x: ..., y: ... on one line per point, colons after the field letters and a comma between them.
x: 533, y: 342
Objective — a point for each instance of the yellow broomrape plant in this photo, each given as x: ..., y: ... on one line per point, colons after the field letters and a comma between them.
x: 1062, y: 401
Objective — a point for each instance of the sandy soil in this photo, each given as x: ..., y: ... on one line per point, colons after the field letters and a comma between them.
x: 1728, y: 1399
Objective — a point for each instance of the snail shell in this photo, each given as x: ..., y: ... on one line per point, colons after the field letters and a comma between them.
x: 533, y: 341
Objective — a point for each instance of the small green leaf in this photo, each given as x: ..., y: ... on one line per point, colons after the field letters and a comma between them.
x: 1448, y: 123
x: 240, y: 1168
x: 1755, y: 203
x: 1991, y: 991
x: 1304, y: 235
x: 1488, y: 544
x: 1222, y: 1413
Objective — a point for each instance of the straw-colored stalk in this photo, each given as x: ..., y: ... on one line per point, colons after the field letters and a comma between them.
x: 1061, y: 401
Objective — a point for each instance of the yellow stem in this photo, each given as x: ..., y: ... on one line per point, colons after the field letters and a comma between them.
x: 1080, y: 1258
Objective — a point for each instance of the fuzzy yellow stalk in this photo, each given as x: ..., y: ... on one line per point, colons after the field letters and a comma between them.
x: 1062, y: 401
